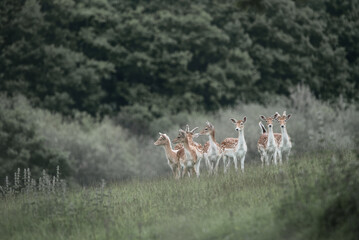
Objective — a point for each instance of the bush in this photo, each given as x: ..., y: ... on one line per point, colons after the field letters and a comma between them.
x: 322, y: 204
x: 93, y: 149
x: 21, y: 146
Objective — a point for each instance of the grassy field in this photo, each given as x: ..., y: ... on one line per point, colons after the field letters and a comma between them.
x: 255, y: 205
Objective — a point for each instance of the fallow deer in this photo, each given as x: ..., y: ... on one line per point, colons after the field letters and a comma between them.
x: 285, y: 144
x: 235, y: 147
x: 193, y: 151
x: 173, y: 156
x: 211, y: 150
x: 268, y: 143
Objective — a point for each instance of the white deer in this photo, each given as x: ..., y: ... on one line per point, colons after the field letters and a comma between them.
x: 268, y: 143
x: 211, y: 150
x: 173, y: 156
x: 285, y: 144
x: 235, y: 147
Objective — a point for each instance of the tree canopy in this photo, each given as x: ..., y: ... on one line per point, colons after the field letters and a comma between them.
x: 149, y: 58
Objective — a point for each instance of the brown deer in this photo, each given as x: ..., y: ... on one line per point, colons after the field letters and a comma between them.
x: 193, y: 151
x: 211, y: 150
x: 235, y: 147
x: 173, y: 156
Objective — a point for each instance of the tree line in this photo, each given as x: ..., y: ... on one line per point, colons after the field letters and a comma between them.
x: 145, y: 59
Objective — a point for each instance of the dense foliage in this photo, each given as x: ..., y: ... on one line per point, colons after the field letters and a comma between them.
x: 21, y: 146
x: 321, y: 204
x: 152, y: 58
x: 87, y: 148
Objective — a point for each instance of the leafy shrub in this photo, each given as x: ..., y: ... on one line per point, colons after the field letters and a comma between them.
x: 21, y: 146
x: 324, y: 204
x: 93, y: 149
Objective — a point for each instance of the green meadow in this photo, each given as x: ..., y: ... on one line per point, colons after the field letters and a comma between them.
x: 314, y: 196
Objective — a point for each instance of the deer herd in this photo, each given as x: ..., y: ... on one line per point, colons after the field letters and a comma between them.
x: 186, y: 156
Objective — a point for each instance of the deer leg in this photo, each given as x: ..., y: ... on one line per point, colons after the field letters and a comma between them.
x: 235, y: 161
x: 184, y: 171
x: 279, y: 154
x: 193, y: 171
x: 197, y: 169
x: 242, y: 162
x: 217, y: 163
x: 228, y: 165
x: 275, y: 157
x: 266, y: 158
x: 218, y: 160
x: 206, y: 159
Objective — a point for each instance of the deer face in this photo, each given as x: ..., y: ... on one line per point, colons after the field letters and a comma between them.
x: 269, y: 120
x: 162, y: 140
x: 180, y: 137
x: 282, y: 119
x: 207, y: 129
x: 239, y: 124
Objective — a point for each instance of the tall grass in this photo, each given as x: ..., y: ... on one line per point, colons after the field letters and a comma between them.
x: 296, y: 201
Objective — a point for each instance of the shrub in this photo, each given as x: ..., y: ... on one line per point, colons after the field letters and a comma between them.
x: 21, y: 146
x: 322, y: 204
x: 92, y: 149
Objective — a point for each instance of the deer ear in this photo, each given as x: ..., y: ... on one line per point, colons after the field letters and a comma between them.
x: 244, y: 119
x: 275, y: 115
x: 263, y: 118
x: 233, y: 120
x: 288, y: 116
x: 194, y: 129
x: 160, y: 133
x: 196, y: 135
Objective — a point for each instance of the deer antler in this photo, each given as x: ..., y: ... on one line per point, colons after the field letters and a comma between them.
x: 194, y: 129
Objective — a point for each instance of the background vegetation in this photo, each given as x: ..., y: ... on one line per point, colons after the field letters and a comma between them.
x: 89, y: 149
x: 85, y: 87
x: 149, y: 59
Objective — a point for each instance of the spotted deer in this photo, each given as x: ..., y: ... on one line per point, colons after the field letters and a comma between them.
x: 193, y: 152
x: 211, y: 150
x: 285, y: 145
x: 268, y: 143
x: 173, y: 156
x: 235, y: 148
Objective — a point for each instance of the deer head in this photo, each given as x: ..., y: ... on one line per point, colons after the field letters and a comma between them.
x: 282, y: 119
x: 269, y: 120
x: 207, y: 129
x: 162, y: 140
x: 239, y: 123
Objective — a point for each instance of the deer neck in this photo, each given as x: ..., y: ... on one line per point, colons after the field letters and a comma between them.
x: 241, y: 140
x: 271, y: 140
x: 285, y: 138
x: 212, y: 140
x: 190, y: 153
x: 169, y: 151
